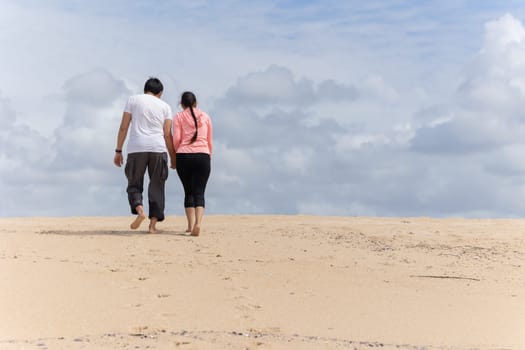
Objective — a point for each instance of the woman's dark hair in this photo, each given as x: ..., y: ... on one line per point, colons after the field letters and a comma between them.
x: 188, y: 100
x: 154, y: 86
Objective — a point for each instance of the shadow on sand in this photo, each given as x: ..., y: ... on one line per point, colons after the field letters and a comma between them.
x: 124, y: 233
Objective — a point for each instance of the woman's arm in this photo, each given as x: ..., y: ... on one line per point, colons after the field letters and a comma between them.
x: 210, y: 137
x: 177, y: 133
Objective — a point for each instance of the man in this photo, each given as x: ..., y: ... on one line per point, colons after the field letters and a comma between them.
x: 150, y: 138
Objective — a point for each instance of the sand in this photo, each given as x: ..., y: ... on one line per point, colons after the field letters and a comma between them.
x: 263, y: 282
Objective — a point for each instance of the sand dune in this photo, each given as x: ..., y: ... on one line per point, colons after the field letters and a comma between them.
x: 263, y: 282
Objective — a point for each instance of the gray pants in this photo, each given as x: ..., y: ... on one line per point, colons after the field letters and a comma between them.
x: 157, y: 166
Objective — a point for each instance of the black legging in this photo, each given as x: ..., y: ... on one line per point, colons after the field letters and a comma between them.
x: 194, y: 171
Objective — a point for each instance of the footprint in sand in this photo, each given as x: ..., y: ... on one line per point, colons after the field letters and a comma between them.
x: 139, y: 331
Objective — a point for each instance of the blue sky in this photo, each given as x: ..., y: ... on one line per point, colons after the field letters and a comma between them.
x: 384, y: 108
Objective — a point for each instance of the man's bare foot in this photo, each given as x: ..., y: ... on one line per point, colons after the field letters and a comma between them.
x: 138, y: 220
x: 152, y: 224
x: 196, y: 231
x: 188, y: 229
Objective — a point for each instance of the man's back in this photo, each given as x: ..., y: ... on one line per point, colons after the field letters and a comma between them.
x: 148, y: 114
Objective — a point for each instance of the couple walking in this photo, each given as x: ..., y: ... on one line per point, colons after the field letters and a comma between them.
x: 152, y: 136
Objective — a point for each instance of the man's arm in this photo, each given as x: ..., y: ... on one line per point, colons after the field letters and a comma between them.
x: 168, y: 139
x: 122, y: 133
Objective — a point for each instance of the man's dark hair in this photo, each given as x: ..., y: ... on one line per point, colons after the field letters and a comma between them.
x: 154, y: 86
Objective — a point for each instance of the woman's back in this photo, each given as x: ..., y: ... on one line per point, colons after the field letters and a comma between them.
x: 184, y: 130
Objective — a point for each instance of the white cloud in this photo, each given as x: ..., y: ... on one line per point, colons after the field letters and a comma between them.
x: 507, y: 162
x: 349, y: 143
x: 274, y: 86
x: 360, y: 108
x: 298, y: 160
x: 489, y: 100
x: 376, y: 86
x: 93, y: 89
x: 94, y: 104
x: 331, y: 90
x: 7, y: 114
x: 61, y: 174
x: 502, y: 35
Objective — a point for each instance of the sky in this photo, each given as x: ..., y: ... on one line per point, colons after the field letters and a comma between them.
x: 354, y: 108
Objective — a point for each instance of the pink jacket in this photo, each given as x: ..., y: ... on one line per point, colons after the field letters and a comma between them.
x: 184, y: 128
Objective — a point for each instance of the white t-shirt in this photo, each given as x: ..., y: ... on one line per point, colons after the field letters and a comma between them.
x: 148, y: 114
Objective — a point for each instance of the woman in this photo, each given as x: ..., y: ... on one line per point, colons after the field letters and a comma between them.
x: 192, y: 139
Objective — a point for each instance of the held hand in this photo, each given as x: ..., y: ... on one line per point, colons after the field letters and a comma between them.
x: 118, y: 160
x: 173, y: 164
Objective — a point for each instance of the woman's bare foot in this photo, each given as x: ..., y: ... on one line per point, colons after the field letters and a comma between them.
x: 138, y: 220
x: 196, y: 231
